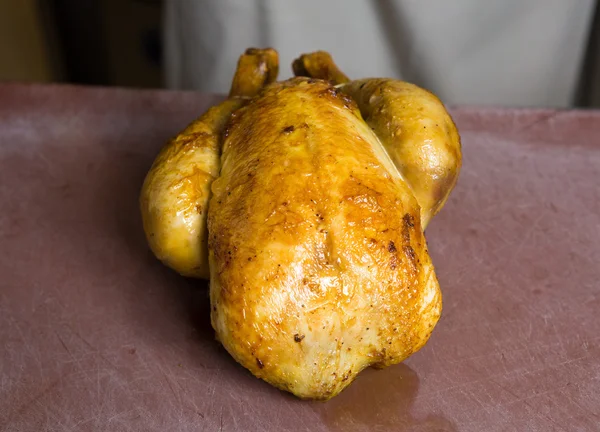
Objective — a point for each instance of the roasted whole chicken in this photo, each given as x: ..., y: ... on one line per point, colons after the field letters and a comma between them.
x: 305, y: 201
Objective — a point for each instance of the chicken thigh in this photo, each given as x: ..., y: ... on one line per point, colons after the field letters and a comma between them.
x: 175, y: 193
x: 412, y: 124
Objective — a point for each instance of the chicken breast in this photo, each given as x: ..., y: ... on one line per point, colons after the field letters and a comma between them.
x: 318, y: 263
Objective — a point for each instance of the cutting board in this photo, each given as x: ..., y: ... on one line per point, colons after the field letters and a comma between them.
x: 96, y: 335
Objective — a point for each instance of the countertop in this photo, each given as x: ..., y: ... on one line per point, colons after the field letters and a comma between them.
x: 96, y: 334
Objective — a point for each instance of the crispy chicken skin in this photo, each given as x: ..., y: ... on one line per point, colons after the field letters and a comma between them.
x: 411, y: 122
x: 319, y: 266
x: 175, y: 193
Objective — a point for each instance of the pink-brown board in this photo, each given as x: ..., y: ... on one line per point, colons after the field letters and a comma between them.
x: 96, y: 335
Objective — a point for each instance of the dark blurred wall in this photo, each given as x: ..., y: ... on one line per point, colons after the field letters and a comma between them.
x: 109, y: 42
x: 25, y: 52
x: 589, y: 85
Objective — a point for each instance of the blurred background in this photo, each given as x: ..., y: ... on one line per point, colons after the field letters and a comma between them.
x: 509, y: 52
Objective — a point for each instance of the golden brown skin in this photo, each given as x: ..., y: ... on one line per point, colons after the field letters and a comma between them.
x: 412, y: 123
x: 255, y: 69
x: 175, y: 193
x: 318, y: 263
x: 319, y: 64
x: 319, y: 266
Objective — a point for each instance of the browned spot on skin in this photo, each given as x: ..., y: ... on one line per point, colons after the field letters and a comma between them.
x: 409, y: 220
x: 260, y: 363
x: 199, y: 209
x: 442, y: 187
x: 346, y: 100
x: 196, y: 139
x: 391, y: 247
x: 410, y: 253
x: 288, y: 129
x: 347, y: 375
x: 298, y: 337
x: 200, y: 135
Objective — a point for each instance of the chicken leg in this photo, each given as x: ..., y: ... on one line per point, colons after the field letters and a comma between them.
x: 174, y: 196
x: 411, y: 123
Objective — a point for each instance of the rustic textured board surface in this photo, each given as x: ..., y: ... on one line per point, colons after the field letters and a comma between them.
x: 96, y: 335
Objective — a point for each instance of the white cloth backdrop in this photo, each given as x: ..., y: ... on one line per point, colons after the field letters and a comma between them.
x: 503, y: 52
